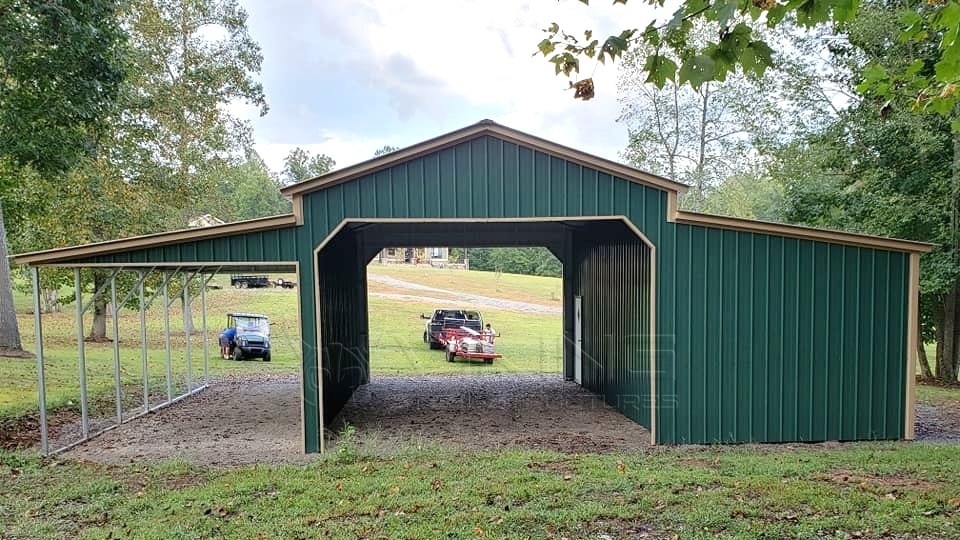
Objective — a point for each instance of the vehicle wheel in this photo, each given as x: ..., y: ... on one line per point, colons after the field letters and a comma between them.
x: 451, y: 356
x: 237, y: 355
x: 266, y: 357
x: 243, y: 284
x: 426, y: 338
x: 488, y: 360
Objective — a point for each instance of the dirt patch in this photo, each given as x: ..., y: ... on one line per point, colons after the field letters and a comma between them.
x: 876, y: 483
x: 698, y: 462
x: 541, y: 412
x: 24, y: 431
x: 15, y: 353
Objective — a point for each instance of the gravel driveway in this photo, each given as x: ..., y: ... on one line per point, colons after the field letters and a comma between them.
x: 257, y: 420
x: 472, y: 299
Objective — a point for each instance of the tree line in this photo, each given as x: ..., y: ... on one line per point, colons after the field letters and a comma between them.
x: 114, y: 122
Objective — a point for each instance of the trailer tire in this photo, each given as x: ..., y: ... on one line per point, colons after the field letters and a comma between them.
x: 488, y: 360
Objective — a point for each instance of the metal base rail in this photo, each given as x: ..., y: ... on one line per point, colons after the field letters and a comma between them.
x: 112, y: 427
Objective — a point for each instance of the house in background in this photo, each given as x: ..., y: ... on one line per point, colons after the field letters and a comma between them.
x: 205, y: 220
x: 434, y: 256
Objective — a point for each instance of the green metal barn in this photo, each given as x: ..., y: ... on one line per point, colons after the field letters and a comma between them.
x: 704, y: 329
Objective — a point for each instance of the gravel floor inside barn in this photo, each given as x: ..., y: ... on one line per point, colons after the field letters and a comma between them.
x: 257, y: 420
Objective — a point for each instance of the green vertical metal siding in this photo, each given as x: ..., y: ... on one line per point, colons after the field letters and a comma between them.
x: 780, y: 339
x: 613, y: 279
x: 345, y: 359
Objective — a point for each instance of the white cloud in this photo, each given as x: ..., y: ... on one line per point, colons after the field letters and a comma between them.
x: 436, y: 66
x: 346, y: 148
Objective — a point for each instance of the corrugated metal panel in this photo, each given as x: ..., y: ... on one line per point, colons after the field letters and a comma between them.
x: 613, y: 278
x: 343, y: 324
x: 779, y: 339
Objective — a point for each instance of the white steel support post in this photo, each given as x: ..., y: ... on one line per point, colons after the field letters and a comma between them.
x: 203, y: 323
x: 41, y: 375
x: 82, y: 360
x: 143, y: 343
x: 186, y: 328
x: 116, y: 348
x: 166, y: 331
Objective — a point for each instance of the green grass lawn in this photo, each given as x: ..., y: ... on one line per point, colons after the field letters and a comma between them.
x: 857, y: 491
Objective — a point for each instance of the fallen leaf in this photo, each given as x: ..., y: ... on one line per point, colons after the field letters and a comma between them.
x: 621, y: 467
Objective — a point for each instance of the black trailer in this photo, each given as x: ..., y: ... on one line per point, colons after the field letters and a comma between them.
x: 250, y: 282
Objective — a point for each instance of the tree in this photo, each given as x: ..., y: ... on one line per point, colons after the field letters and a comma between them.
x: 887, y: 170
x: 534, y: 261
x: 698, y: 137
x: 749, y: 195
x: 733, y: 23
x: 192, y: 59
x: 299, y: 165
x: 246, y: 190
x: 60, y: 68
x: 385, y: 149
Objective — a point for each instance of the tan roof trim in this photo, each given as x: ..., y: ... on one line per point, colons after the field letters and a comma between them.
x: 485, y: 127
x: 798, y: 231
x: 66, y: 254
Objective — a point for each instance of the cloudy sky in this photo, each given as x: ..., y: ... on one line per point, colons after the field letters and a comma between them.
x: 347, y: 77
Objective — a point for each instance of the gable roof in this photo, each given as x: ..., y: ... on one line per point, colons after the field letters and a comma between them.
x: 480, y: 129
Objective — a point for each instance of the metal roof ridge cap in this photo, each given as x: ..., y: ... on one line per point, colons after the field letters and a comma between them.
x: 803, y: 231
x: 488, y: 127
x: 628, y: 172
x: 379, y: 162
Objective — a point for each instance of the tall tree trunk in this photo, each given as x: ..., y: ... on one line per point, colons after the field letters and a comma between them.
x: 187, y: 314
x: 947, y: 350
x: 9, y: 331
x: 98, y: 329
x: 925, y: 372
x: 51, y: 300
x: 700, y: 188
